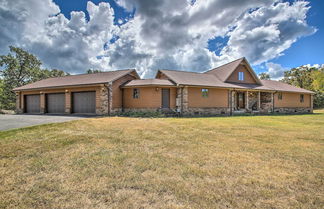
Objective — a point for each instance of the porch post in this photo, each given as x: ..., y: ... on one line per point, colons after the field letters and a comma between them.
x: 259, y: 100
x: 230, y: 101
x: 311, y: 102
x: 247, y: 100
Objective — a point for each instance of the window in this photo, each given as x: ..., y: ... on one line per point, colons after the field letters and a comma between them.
x: 302, y: 98
x: 204, y: 92
x: 241, y: 76
x: 136, y: 93
x: 279, y: 96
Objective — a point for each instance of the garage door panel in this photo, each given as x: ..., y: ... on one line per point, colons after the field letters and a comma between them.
x: 55, y: 103
x: 84, y: 102
x: 32, y: 103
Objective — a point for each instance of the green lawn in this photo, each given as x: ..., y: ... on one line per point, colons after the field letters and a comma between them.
x: 219, y: 162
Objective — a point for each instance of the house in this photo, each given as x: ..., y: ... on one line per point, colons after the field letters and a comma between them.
x: 228, y: 89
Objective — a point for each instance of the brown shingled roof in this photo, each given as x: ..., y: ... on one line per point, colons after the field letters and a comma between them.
x: 280, y: 86
x: 194, y: 79
x: 73, y: 80
x: 149, y: 82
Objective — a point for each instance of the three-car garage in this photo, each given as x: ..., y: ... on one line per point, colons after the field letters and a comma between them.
x: 55, y: 103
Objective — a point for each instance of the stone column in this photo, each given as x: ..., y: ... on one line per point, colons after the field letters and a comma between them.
x: 68, y: 109
x: 259, y: 100
x: 110, y: 96
x: 233, y: 100
x: 272, y: 102
x: 42, y: 103
x: 18, y: 103
x: 185, y: 99
x: 179, y: 100
x: 102, y: 93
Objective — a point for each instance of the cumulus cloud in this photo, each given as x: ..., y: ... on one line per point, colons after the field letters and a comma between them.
x: 266, y: 32
x: 276, y: 71
x: 162, y: 34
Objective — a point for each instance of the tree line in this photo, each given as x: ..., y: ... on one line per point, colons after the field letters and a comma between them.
x: 20, y: 67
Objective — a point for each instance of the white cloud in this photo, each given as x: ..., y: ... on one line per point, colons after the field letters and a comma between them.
x: 162, y: 34
x: 276, y: 71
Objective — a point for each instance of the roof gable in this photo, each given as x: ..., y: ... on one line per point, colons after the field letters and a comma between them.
x: 225, y: 72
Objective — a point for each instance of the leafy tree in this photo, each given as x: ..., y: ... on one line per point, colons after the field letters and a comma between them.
x: 19, y: 68
x: 264, y: 76
x: 91, y: 71
x: 310, y: 78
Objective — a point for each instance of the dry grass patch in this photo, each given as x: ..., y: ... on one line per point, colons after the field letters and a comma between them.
x: 224, y: 162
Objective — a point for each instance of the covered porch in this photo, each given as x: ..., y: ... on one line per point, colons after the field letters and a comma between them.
x: 251, y: 101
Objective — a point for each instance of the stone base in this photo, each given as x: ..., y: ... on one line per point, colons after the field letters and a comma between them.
x: 206, y: 111
x: 19, y: 111
x: 293, y: 110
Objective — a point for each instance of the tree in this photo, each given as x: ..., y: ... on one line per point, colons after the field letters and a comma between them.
x: 310, y: 78
x: 264, y: 76
x: 91, y: 71
x: 19, y: 68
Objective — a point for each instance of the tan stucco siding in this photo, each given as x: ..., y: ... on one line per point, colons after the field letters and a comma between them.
x: 67, y: 92
x: 292, y: 100
x: 248, y: 78
x: 150, y: 97
x: 216, y: 97
x: 117, y: 92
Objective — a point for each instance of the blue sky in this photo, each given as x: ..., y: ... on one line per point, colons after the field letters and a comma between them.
x: 148, y: 35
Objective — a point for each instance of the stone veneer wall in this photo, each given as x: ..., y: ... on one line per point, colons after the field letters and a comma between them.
x: 103, y: 96
x: 293, y: 110
x: 206, y: 111
x: 253, y: 101
x: 266, y: 102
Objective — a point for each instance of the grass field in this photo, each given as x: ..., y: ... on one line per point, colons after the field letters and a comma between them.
x: 220, y: 162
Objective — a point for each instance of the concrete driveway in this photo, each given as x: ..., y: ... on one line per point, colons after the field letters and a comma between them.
x: 19, y: 121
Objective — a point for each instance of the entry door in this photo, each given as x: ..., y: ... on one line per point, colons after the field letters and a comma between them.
x: 165, y: 98
x: 241, y: 100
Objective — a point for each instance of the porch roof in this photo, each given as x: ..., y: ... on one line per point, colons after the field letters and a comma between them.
x: 149, y: 82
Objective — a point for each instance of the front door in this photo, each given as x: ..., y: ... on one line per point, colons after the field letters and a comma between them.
x: 240, y: 100
x: 165, y: 98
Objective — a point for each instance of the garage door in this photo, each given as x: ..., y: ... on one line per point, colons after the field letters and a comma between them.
x: 55, y: 103
x: 32, y: 103
x: 84, y: 102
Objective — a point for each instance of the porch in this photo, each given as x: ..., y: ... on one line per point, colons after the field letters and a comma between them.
x: 251, y: 101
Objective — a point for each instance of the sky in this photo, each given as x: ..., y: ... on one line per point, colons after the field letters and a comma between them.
x: 147, y: 35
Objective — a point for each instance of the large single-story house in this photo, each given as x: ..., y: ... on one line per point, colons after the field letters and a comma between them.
x: 228, y: 89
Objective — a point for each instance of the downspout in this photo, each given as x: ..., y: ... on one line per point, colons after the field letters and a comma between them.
x: 122, y: 102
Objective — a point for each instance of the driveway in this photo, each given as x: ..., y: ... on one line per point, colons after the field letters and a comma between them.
x: 19, y: 121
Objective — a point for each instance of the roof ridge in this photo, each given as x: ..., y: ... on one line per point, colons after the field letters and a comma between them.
x: 224, y: 64
x: 182, y: 71
x: 96, y: 73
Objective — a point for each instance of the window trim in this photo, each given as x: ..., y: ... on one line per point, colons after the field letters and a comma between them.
x: 204, y: 92
x: 279, y: 95
x: 137, y: 95
x: 301, y: 98
x: 241, y: 76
